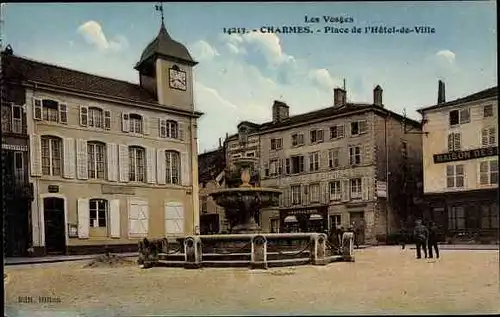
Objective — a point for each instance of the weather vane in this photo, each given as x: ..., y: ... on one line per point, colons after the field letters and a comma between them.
x: 159, y: 7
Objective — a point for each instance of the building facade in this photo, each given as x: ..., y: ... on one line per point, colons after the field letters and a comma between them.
x: 460, y: 160
x: 111, y: 162
x: 211, y: 169
x: 329, y: 164
x: 17, y: 191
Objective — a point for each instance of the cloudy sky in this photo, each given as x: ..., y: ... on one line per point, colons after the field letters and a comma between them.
x: 239, y: 76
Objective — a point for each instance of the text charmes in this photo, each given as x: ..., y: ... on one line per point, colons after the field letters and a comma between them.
x: 328, y: 19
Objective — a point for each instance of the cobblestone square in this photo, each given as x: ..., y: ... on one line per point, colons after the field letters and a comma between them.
x: 383, y: 280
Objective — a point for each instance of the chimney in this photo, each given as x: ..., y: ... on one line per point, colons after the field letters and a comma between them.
x: 220, y: 143
x: 280, y: 111
x: 441, y: 92
x: 377, y: 96
x: 339, y: 97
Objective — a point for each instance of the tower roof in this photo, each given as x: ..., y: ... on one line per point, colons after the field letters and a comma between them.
x: 163, y: 45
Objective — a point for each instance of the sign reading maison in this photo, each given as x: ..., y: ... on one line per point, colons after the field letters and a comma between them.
x: 465, y: 155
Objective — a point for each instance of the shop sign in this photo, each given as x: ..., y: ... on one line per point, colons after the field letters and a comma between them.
x: 465, y: 155
x: 303, y: 212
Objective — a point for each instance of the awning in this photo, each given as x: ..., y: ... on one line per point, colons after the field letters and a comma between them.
x: 289, y: 219
x: 316, y: 217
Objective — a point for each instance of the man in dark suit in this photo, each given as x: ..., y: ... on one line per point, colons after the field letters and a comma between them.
x: 421, y: 235
x: 433, y: 240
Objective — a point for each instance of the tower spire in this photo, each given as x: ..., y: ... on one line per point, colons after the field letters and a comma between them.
x: 159, y: 7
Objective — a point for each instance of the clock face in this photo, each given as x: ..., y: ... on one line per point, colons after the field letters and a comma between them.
x: 177, y: 79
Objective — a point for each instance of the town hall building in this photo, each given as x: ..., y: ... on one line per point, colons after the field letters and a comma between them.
x: 111, y: 162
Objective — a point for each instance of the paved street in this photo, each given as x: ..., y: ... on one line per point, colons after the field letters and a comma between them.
x: 382, y: 280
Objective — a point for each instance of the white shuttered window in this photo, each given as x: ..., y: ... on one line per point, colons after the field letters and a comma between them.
x: 174, y: 219
x: 138, y: 216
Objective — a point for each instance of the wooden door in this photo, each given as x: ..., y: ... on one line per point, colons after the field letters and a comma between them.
x: 55, y: 236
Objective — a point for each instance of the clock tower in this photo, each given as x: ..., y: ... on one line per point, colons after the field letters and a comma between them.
x: 166, y: 70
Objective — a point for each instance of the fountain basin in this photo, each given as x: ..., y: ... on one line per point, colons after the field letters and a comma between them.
x: 243, y: 205
x: 257, y: 251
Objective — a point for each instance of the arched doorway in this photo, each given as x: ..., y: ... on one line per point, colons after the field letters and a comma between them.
x: 55, y: 236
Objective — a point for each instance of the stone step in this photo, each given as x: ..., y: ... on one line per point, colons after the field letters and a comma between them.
x: 226, y: 263
x: 288, y: 262
x: 236, y: 256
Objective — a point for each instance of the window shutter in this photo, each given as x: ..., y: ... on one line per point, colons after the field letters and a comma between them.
x: 145, y: 125
x: 162, y: 128
x: 307, y: 161
x: 456, y: 141
x: 69, y: 158
x: 174, y: 219
x: 363, y: 127
x: 123, y: 162
x: 340, y: 131
x: 83, y: 218
x: 84, y: 115
x: 81, y: 159
x: 37, y: 109
x: 125, y: 122
x: 133, y: 215
x: 493, y: 136
x: 112, y: 157
x: 286, y: 197
x: 107, y: 120
x: 151, y: 165
x: 36, y: 155
x: 365, y: 153
x: 325, y: 193
x: 305, y: 193
x: 160, y: 168
x: 450, y: 142
x: 144, y: 218
x: 365, y: 188
x: 346, y: 190
x: 186, y: 169
x: 182, y: 131
x: 320, y: 135
x: 484, y: 137
x: 63, y: 113
x: 114, y: 218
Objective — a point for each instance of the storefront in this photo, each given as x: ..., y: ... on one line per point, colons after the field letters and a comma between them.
x: 468, y: 215
x: 305, y: 219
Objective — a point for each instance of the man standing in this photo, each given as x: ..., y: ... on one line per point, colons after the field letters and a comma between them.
x: 421, y: 235
x: 433, y: 239
x: 403, y: 236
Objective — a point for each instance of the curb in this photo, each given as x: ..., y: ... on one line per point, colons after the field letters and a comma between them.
x: 62, y: 259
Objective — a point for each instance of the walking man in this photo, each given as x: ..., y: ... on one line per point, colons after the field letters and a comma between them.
x: 433, y: 240
x: 421, y: 235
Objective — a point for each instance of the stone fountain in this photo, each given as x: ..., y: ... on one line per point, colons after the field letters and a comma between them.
x: 243, y: 204
x: 246, y: 245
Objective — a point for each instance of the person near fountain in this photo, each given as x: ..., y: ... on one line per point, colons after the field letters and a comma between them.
x: 352, y: 228
x: 421, y: 235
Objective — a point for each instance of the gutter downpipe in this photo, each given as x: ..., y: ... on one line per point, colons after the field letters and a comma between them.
x: 387, y: 173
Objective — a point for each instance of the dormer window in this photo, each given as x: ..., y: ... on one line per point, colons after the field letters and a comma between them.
x: 135, y: 123
x: 243, y: 135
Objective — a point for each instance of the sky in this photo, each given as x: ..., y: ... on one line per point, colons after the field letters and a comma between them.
x: 240, y: 75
